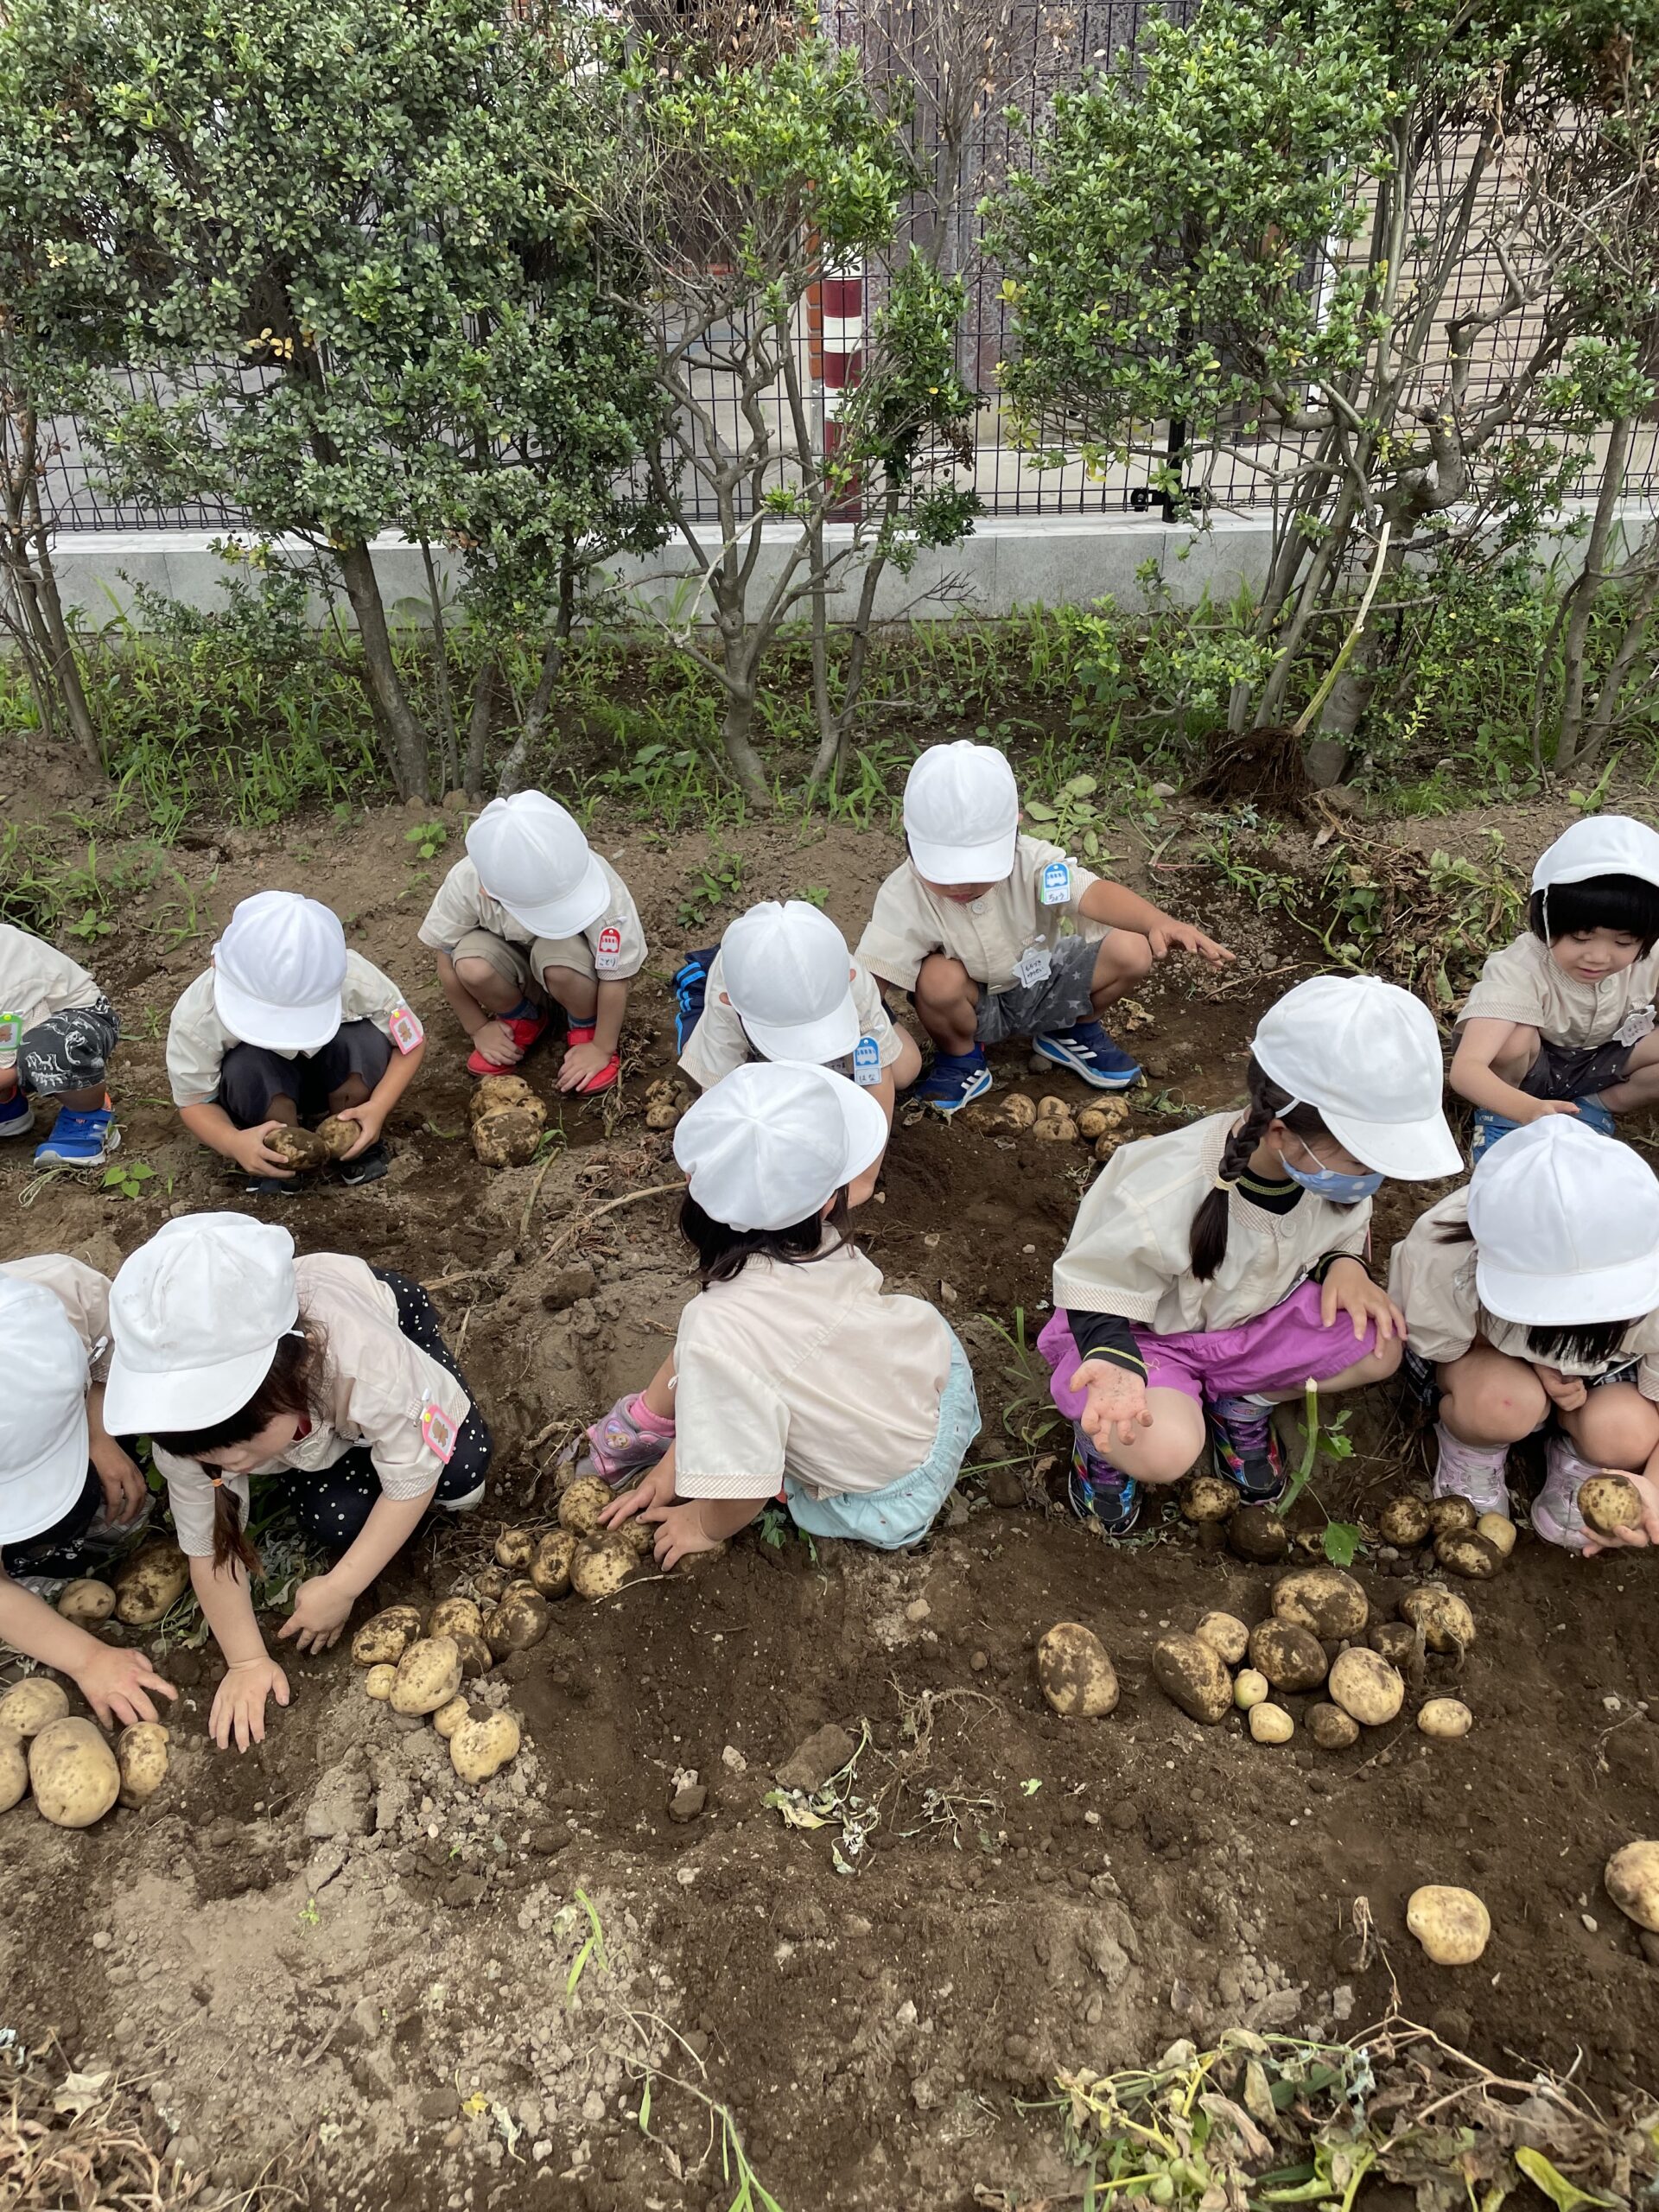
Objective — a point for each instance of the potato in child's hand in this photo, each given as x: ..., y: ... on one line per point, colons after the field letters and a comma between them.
x: 337, y: 1136
x: 1610, y: 1503
x: 581, y: 1504
x: 303, y: 1150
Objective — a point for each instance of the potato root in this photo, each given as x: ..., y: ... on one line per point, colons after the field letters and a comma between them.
x: 73, y: 1773
x: 1191, y: 1674
x: 149, y: 1585
x: 384, y: 1638
x: 1366, y: 1687
x: 141, y: 1759
x: 1227, y: 1634
x: 1078, y: 1678
x: 1632, y: 1881
x: 479, y: 1749
x: 1453, y: 1925
x: 86, y: 1602
x: 429, y: 1674
x: 30, y: 1706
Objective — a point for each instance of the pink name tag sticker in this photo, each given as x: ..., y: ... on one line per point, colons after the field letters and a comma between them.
x: 440, y: 1433
x: 406, y: 1030
x: 608, y: 950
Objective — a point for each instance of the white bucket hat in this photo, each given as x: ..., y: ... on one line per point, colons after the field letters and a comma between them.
x: 279, y: 971
x: 1565, y: 1225
x: 197, y: 1314
x: 788, y: 975
x: 1366, y: 1056
x: 1601, y: 844
x: 772, y: 1145
x: 531, y: 856
x: 43, y: 1432
x: 962, y: 814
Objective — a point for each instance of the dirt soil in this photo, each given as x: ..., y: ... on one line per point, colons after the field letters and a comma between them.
x: 329, y: 1966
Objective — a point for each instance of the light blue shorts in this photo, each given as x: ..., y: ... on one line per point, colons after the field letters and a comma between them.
x: 903, y: 1513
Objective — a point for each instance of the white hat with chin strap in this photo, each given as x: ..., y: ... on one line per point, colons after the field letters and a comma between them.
x: 1601, y: 844
x: 1565, y: 1225
x: 1366, y: 1056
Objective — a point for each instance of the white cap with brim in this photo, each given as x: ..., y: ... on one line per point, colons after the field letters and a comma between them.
x: 962, y: 814
x: 1565, y: 1225
x: 788, y: 975
x: 1601, y: 844
x: 197, y: 1314
x: 1366, y: 1056
x: 532, y: 857
x: 44, y: 1439
x: 772, y: 1145
x: 279, y: 971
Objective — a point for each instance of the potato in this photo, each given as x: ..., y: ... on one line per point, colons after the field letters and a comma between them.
x: 518, y: 1622
x: 476, y: 1656
x: 31, y: 1706
x: 507, y: 1120
x: 455, y: 1617
x: 429, y: 1674
x: 1610, y: 1503
x: 1465, y: 1553
x: 149, y: 1585
x: 1451, y: 1516
x: 1206, y: 1497
x: 1077, y: 1677
x: 1053, y: 1110
x: 1227, y: 1633
x: 481, y: 1748
x: 602, y: 1566
x: 1327, y: 1603
x: 639, y: 1534
x: 514, y: 1550
x: 141, y: 1756
x: 336, y: 1137
x: 1333, y: 1729
x: 1061, y: 1129
x: 303, y: 1150
x: 1256, y: 1533
x: 520, y: 1587
x: 449, y: 1718
x: 1097, y: 1120
x: 1105, y: 1146
x: 1364, y: 1685
x: 1499, y: 1530
x: 1632, y: 1880
x: 1271, y: 1724
x: 1018, y: 1112
x: 377, y: 1682
x: 1451, y: 1925
x: 1400, y: 1644
x: 13, y: 1772
x: 85, y: 1602
x: 1445, y: 1719
x: 583, y: 1502
x: 551, y: 1568
x: 384, y: 1638
x: 491, y: 1583
x: 73, y: 1773
x: 1292, y: 1658
x: 1190, y: 1674
x: 1446, y: 1623
x: 1249, y: 1688
x: 665, y: 1101
x: 1405, y: 1520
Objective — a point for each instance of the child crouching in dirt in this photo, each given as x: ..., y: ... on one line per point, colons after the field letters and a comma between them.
x: 793, y: 1372
x: 71, y: 1495
x: 237, y: 1360
x: 781, y: 985
x: 534, y: 918
x: 57, y: 1031
x: 1213, y: 1271
x: 1531, y: 1300
x: 997, y: 936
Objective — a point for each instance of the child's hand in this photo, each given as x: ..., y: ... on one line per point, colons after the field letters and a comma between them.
x: 655, y: 1488
x: 1567, y: 1393
x: 123, y: 1486
x: 1170, y: 936
x: 113, y: 1683
x: 322, y: 1609
x: 252, y: 1156
x: 370, y: 1122
x: 581, y: 1064
x: 1348, y: 1289
x: 680, y: 1531
x: 239, y: 1701
x: 495, y: 1043
x: 1638, y: 1539
x: 1116, y: 1403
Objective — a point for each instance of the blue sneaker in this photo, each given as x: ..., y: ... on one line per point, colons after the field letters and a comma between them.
x: 1246, y: 1448
x: 954, y: 1081
x: 80, y: 1140
x: 1089, y: 1052
x: 1109, y: 1503
x: 690, y: 988
x: 16, y: 1115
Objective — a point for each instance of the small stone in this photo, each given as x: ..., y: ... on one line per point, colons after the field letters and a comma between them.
x: 1004, y: 1489
x: 917, y: 1610
x: 441, y: 2103
x: 687, y: 1802
x: 102, y: 1940
x: 734, y: 1760
x: 979, y: 1661
x: 1590, y: 1921
x: 811, y: 1764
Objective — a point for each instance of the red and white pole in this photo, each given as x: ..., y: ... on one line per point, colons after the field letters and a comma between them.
x: 840, y: 303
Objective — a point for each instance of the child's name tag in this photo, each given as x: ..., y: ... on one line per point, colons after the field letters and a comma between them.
x: 440, y: 1433
x: 11, y: 1036
x: 867, y: 1062
x: 1055, y: 890
x: 406, y: 1030
x: 1637, y: 1024
x: 1033, y: 966
x: 608, y: 950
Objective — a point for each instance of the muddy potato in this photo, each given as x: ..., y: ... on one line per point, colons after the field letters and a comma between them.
x: 1271, y: 1724
x: 449, y: 1718
x: 150, y: 1583
x: 86, y: 1602
x: 551, y: 1568
x: 337, y: 1136
x: 1499, y: 1530
x: 1445, y: 1719
x: 141, y: 1759
x: 583, y: 1502
x: 1453, y: 1925
x: 1190, y: 1674
x: 1469, y: 1555
x: 1398, y: 1643
x: 1053, y: 1110
x: 32, y: 1705
x: 384, y: 1638
x: 1333, y: 1729
x: 1292, y: 1658
x: 481, y: 1748
x: 476, y: 1656
x: 1250, y: 1688
x: 303, y: 1150
x: 1451, y: 1516
x: 73, y: 1773
x: 1227, y: 1633
x: 455, y: 1617
x: 429, y: 1674
x: 1256, y: 1533
x: 639, y: 1534
x: 1105, y: 1146
x: 1364, y: 1685
x: 1610, y: 1503
x: 1018, y: 1112
x: 1206, y: 1497
x: 602, y: 1566
x: 1059, y: 1128
x: 377, y: 1682
x: 490, y: 1582
x: 520, y: 1621
x: 665, y: 1101
x: 1446, y: 1623
x: 13, y: 1772
x: 1076, y: 1676
x: 507, y: 1120
x: 514, y: 1550
x: 1405, y: 1520
x: 1099, y: 1121
x: 520, y: 1587
x: 1327, y: 1603
x: 1632, y: 1880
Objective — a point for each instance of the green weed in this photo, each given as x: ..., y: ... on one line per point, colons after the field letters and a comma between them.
x: 128, y: 1177
x: 716, y: 884
x: 428, y: 839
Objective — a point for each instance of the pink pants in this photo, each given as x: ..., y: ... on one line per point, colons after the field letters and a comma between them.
x: 1275, y: 1353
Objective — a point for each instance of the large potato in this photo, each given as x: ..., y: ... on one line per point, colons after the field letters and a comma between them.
x: 1364, y: 1685
x: 1453, y: 1925
x: 481, y: 1748
x: 1206, y: 1497
x: 337, y: 1135
x: 303, y: 1150
x: 514, y: 1548
x: 14, y: 1771
x: 429, y: 1674
x: 449, y: 1718
x: 1327, y: 1603
x: 1610, y: 1503
x: 1271, y: 1724
x: 31, y: 1706
x: 86, y: 1602
x: 1400, y: 1644
x: 1077, y: 1677
x: 1191, y: 1674
x: 1060, y: 1129
x: 1333, y: 1729
x: 1292, y: 1658
x: 1446, y: 1623
x: 1445, y: 1719
x: 518, y: 1621
x: 602, y: 1566
x: 551, y: 1568
x: 455, y: 1617
x: 583, y: 1502
x: 382, y: 1640
x: 1256, y: 1533
x: 73, y: 1773
x: 1632, y: 1879
x: 141, y: 1756
x: 1227, y: 1633
x: 1468, y: 1554
x: 150, y: 1583
x: 1405, y: 1520
x: 507, y: 1121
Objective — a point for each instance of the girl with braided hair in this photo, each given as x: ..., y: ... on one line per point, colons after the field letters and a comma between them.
x: 1211, y: 1273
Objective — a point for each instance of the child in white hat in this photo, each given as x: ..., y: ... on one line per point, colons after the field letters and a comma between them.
x: 792, y: 1373
x: 1531, y: 1300
x: 57, y: 1031
x: 1561, y: 1022
x: 284, y: 1027
x: 781, y: 985
x: 238, y: 1360
x: 996, y: 935
x: 1212, y: 1273
x: 532, y: 916
x: 71, y: 1497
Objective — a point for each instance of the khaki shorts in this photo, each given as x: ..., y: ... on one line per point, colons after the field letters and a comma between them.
x: 524, y: 965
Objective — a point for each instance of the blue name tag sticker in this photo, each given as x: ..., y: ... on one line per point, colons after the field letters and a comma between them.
x: 867, y: 1062
x: 1056, y: 889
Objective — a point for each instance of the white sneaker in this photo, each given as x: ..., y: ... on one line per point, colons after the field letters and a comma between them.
x: 1555, y: 1512
x: 1471, y: 1470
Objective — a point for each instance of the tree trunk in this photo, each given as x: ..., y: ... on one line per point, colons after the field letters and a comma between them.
x: 529, y: 730
x: 449, y: 740
x: 1638, y: 616
x: 66, y: 667
x: 1583, y: 594
x: 478, y: 725
x: 735, y: 728
x: 404, y: 738
x: 1351, y: 692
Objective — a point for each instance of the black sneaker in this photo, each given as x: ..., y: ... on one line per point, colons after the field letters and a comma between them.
x: 368, y: 1166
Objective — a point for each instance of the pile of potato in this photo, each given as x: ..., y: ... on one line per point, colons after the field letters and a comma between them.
x: 1250, y: 1532
x: 67, y: 1763
x: 418, y: 1667
x: 1052, y: 1121
x: 1473, y: 1545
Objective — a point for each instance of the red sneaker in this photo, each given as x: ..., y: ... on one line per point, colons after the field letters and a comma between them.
x: 523, y: 1034
x: 580, y: 1033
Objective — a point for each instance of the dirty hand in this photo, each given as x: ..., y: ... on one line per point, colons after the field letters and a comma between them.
x: 239, y: 1701
x: 581, y: 1064
x: 322, y: 1609
x: 113, y: 1683
x: 1168, y: 936
x: 1631, y: 1539
x: 654, y: 1487
x: 494, y: 1043
x: 1116, y: 1403
x: 123, y: 1487
x: 370, y: 1121
x: 252, y: 1155
x: 1348, y: 1289
x: 679, y: 1531
x: 1567, y: 1393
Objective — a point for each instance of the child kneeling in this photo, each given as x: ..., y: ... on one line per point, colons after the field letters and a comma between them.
x: 1213, y: 1272
x: 792, y: 1373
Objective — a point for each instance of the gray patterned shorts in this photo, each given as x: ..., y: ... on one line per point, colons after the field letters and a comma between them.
x: 1031, y: 1010
x: 67, y: 1050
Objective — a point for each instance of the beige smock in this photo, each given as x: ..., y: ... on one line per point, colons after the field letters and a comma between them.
x: 1524, y: 984
x: 611, y: 949
x: 720, y: 1042
x: 85, y: 1296
x: 197, y: 1040
x: 991, y: 935
x: 37, y: 979
x: 1130, y: 1248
